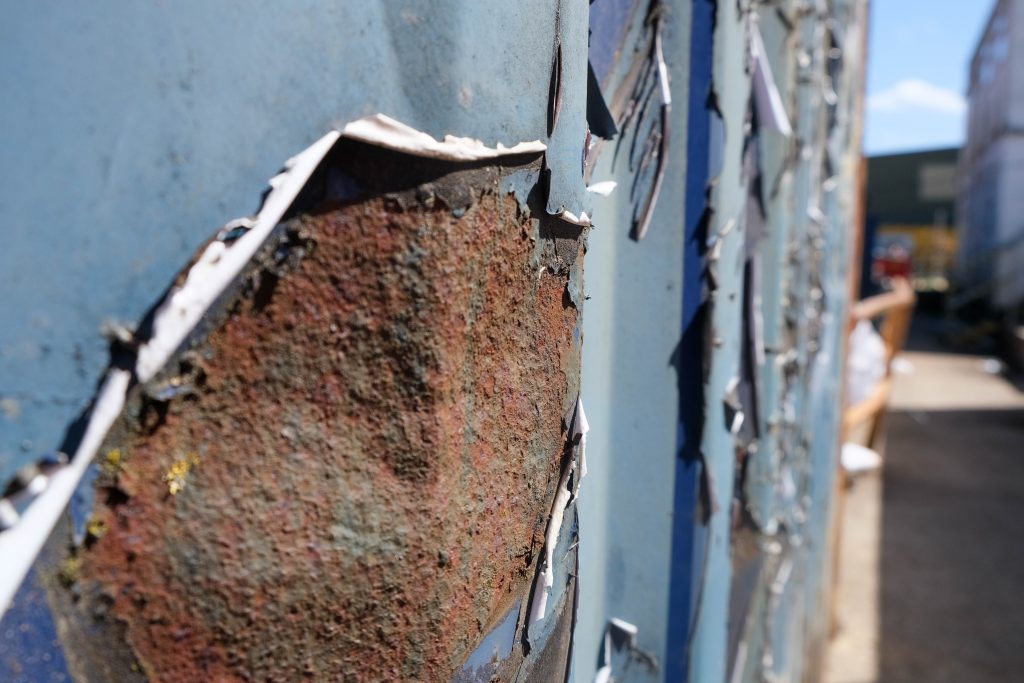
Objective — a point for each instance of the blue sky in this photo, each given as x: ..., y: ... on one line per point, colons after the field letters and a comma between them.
x: 918, y: 58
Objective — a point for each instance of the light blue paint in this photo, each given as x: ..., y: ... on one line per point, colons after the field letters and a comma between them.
x: 631, y: 329
x: 762, y: 475
x: 496, y: 645
x: 727, y: 230
x: 133, y: 131
x: 563, y: 160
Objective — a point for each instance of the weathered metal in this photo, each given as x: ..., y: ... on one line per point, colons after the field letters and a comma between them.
x: 360, y: 464
x: 352, y: 478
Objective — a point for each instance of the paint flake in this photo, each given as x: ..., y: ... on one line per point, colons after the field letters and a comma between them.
x: 771, y: 112
x: 386, y: 132
x: 20, y: 544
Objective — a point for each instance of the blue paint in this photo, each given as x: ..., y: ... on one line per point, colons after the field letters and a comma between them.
x: 763, y: 468
x: 133, y: 132
x: 708, y: 658
x: 631, y: 329
x: 496, y: 645
x: 30, y: 651
x: 80, y: 507
x: 687, y: 537
x: 609, y: 23
x: 563, y: 160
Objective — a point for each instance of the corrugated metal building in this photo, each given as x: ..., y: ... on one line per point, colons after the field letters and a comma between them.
x: 991, y: 206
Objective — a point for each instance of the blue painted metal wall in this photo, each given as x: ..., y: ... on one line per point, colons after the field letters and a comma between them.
x: 750, y: 555
x: 151, y: 125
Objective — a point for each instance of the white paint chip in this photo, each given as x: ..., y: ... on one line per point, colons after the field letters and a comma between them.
x: 20, y: 544
x: 583, y: 220
x: 603, y: 188
x: 221, y: 263
x: 771, y: 112
x: 546, y: 577
x: 384, y: 131
x: 626, y: 629
x: 630, y: 630
x: 580, y: 427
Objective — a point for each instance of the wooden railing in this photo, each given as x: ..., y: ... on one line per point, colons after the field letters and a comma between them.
x: 894, y: 309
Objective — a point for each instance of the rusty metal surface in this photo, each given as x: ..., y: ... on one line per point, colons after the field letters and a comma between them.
x: 348, y: 471
x: 353, y: 478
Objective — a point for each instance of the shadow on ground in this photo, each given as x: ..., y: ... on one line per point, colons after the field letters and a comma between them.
x: 952, y: 547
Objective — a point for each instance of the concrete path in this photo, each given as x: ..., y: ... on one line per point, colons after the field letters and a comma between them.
x: 932, y: 560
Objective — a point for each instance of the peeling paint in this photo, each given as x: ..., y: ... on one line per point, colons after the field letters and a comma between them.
x: 21, y: 543
x: 394, y: 135
x: 344, y: 512
x: 546, y: 576
x: 348, y: 444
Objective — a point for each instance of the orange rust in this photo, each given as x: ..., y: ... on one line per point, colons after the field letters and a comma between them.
x: 379, y: 433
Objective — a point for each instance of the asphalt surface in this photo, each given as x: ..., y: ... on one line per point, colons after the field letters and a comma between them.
x: 932, y: 560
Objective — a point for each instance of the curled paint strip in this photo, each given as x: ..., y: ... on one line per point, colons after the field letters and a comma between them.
x: 386, y: 132
x: 643, y: 221
x: 20, y: 544
x: 580, y: 427
x: 771, y: 112
x: 546, y: 577
x: 221, y: 263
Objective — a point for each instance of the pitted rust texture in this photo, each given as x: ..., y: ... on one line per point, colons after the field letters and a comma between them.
x: 371, y: 446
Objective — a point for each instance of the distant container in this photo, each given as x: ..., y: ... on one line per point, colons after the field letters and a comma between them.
x: 990, y: 261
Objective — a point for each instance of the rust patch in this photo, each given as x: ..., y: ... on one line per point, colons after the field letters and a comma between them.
x: 372, y: 440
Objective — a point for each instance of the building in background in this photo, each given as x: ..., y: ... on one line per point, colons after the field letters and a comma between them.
x: 911, y: 202
x: 991, y: 175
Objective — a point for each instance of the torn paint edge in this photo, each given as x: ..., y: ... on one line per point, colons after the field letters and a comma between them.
x: 664, y: 86
x: 580, y: 427
x: 546, y: 576
x: 220, y: 263
x: 384, y: 131
x: 184, y: 307
x: 771, y: 112
x: 20, y: 544
x: 565, y: 495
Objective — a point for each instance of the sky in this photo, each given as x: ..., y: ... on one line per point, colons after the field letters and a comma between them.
x: 918, y: 57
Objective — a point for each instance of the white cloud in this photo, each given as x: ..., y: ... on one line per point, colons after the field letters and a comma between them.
x: 914, y: 94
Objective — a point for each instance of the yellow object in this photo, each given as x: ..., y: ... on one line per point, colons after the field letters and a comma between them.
x: 178, y: 473
x: 96, y: 528
x: 112, y: 463
x: 932, y: 250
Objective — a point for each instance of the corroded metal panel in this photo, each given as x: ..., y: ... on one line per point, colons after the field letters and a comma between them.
x: 349, y: 475
x: 348, y: 441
